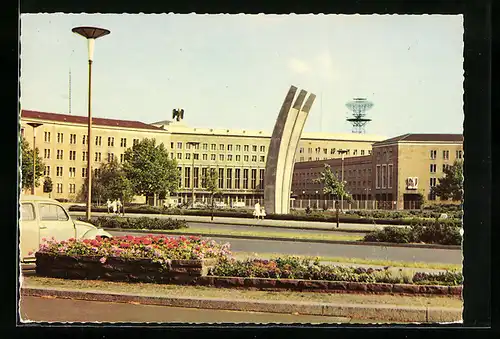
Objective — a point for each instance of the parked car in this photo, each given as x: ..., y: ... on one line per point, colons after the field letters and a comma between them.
x: 42, y: 217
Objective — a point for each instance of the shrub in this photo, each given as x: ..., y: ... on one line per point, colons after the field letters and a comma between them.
x: 138, y: 223
x: 441, y: 278
x: 391, y: 234
x: 159, y: 248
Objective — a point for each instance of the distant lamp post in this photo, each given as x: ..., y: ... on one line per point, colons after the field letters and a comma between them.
x: 34, y: 125
x: 368, y: 189
x: 193, y: 144
x: 342, y: 153
x: 91, y: 34
x: 317, y: 200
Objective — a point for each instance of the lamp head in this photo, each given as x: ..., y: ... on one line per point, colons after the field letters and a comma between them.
x: 90, y: 33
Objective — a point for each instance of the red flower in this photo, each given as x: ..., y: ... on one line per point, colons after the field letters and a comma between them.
x: 125, y: 245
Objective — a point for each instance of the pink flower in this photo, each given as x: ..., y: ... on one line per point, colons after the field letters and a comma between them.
x: 102, y: 260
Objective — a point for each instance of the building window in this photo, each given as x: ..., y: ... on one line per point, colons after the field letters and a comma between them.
x: 84, y: 172
x: 46, y: 136
x: 205, y: 156
x: 97, y: 156
x: 188, y: 145
x: 98, y: 140
x: 362, y: 152
x: 262, y: 158
x: 261, y: 179
x: 172, y: 155
x: 432, y: 182
x: 180, y: 176
x: 445, y: 167
x: 60, y: 138
x: 188, y: 156
x: 135, y: 142
x: 72, y: 138
x: 245, y: 158
x: 46, y: 171
x: 84, y: 156
x: 204, y: 177
x: 229, y: 147
x: 122, y: 156
x: 72, y: 188
x: 205, y: 147
x: 246, y: 148
x: 123, y: 142
x: 59, y: 154
x: 433, y: 168
x: 254, y: 179
x: 369, y: 152
x: 389, y: 176
x: 254, y: 158
x: 254, y: 148
x: 221, y: 147
x: 446, y: 155
x: 459, y: 154
x: 310, y: 158
x: 72, y: 155
x: 377, y: 176
x: 187, y: 177
x: 111, y: 157
x: 221, y: 157
x: 213, y: 147
x: 179, y: 155
x: 229, y: 183
x: 317, y: 150
x: 72, y: 172
x: 196, y: 156
x: 221, y: 178
x: 179, y: 145
x: 301, y: 150
x: 229, y: 157
x: 97, y: 172
x: 59, y: 188
x: 238, y: 157
x: 245, y: 178
x: 262, y: 148
x: 213, y: 157
x: 433, y: 154
x: 238, y: 148
x: 237, y: 173
x: 59, y: 171
x: 196, y: 172
x: 84, y: 140
x: 46, y: 153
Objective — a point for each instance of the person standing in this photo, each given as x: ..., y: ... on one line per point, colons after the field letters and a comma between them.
x: 256, y: 212
x: 119, y: 206
x: 114, y: 205
x: 108, y: 203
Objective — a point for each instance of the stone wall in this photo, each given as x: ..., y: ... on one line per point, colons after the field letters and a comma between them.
x: 121, y: 269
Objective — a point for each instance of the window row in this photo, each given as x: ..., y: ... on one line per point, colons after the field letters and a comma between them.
x: 384, y: 176
x: 319, y: 150
x: 72, y: 155
x: 433, y: 167
x: 227, y: 178
x: 446, y: 154
x: 98, y: 139
x: 213, y: 157
x: 220, y: 147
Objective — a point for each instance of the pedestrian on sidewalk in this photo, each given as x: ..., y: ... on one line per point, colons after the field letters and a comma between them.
x: 262, y: 212
x: 114, y: 205
x: 256, y: 212
x: 119, y: 206
x: 108, y: 203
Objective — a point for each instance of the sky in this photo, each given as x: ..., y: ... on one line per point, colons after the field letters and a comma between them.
x: 233, y: 71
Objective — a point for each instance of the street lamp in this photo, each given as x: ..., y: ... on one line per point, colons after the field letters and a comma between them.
x: 90, y: 33
x: 34, y: 125
x: 317, y: 200
x: 342, y: 152
x: 302, y: 198
x: 366, y: 197
x: 193, y: 144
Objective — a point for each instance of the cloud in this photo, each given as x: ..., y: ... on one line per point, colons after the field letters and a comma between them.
x: 298, y: 66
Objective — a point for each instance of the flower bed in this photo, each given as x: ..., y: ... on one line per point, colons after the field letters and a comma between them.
x: 147, y: 258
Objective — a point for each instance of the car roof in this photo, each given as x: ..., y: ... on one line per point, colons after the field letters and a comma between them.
x: 28, y: 197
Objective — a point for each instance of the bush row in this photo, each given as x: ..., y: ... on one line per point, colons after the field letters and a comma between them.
x: 441, y: 232
x: 294, y: 215
x: 311, y: 269
x: 137, y: 223
x: 381, y: 214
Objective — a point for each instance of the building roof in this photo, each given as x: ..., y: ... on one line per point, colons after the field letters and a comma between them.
x: 76, y: 119
x: 411, y: 137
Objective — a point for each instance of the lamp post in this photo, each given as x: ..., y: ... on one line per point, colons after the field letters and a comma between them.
x: 302, y: 198
x: 193, y: 144
x: 366, y: 197
x: 34, y: 125
x: 90, y: 33
x: 317, y: 200
x: 342, y: 152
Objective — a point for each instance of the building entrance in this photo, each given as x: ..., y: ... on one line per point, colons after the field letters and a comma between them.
x: 412, y: 201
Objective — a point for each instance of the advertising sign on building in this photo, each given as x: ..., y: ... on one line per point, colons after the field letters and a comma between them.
x: 412, y: 183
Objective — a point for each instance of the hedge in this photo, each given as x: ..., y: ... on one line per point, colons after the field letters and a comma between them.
x: 234, y: 213
x: 443, y: 232
x: 138, y: 223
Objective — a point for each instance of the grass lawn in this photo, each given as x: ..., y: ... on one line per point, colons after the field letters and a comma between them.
x: 144, y: 289
x: 280, y: 235
x: 375, y: 262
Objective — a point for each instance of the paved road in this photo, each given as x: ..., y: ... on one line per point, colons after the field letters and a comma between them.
x: 428, y: 255
x: 68, y: 310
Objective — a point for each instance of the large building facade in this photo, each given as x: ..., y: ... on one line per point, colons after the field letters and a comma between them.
x: 239, y: 155
x: 397, y: 174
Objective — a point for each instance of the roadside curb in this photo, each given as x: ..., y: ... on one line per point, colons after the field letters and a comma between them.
x: 394, y: 313
x: 341, y: 242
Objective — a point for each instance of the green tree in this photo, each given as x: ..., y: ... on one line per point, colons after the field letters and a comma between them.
x: 333, y: 187
x: 113, y: 183
x: 47, y: 185
x: 451, y: 185
x: 27, y: 165
x: 211, y: 184
x: 150, y: 170
x: 97, y: 190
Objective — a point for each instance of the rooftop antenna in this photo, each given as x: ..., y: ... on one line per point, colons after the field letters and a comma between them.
x: 359, y: 106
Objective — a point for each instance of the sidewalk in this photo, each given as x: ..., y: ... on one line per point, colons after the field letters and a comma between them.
x: 312, y: 225
x: 380, y: 312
